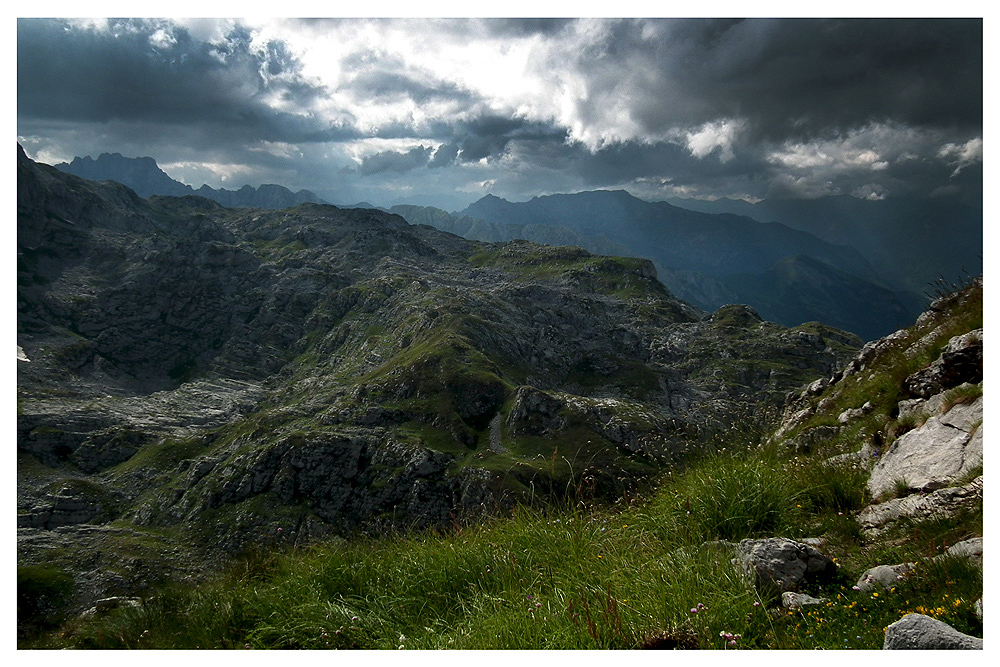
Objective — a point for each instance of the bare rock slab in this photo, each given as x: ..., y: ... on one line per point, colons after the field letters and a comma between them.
x: 934, y: 455
x: 790, y: 600
x: 939, y: 504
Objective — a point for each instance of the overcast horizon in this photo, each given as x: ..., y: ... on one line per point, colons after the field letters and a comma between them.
x: 387, y: 109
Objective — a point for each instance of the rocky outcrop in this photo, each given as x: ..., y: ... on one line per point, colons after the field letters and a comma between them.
x: 960, y: 362
x: 344, y: 480
x: 73, y: 503
x: 534, y: 412
x: 933, y: 456
x: 921, y: 436
x: 940, y: 504
x: 919, y: 439
x: 920, y: 632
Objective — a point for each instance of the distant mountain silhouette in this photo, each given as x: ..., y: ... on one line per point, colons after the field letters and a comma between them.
x: 682, y: 239
x: 145, y: 177
x: 711, y: 259
x: 482, y: 230
x: 913, y: 242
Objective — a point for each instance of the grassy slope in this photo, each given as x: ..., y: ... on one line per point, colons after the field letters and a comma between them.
x: 575, y: 577
x: 592, y: 576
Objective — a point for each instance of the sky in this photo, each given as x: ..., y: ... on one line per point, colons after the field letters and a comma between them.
x: 444, y: 111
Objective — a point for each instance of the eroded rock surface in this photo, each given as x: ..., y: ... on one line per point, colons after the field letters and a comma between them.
x: 960, y: 362
x: 936, y: 505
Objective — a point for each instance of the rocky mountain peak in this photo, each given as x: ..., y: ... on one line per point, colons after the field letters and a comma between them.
x: 143, y: 175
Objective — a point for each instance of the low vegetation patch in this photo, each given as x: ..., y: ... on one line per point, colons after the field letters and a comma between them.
x: 636, y: 574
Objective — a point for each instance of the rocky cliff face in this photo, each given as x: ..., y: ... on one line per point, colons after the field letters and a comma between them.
x: 909, y: 409
x: 192, y: 377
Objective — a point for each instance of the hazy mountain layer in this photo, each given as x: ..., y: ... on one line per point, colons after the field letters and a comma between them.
x: 913, y: 242
x: 714, y: 259
x: 481, y: 230
x: 145, y: 177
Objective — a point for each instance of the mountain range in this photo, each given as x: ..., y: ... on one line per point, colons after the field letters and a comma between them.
x: 913, y: 242
x: 863, y: 266
x: 195, y: 378
x: 787, y: 275
x: 143, y: 175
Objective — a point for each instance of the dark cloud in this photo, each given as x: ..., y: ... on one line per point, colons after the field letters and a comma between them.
x: 395, y: 161
x: 524, y: 27
x: 790, y: 78
x: 376, y: 74
x: 397, y: 86
x: 444, y: 155
x: 619, y: 163
x: 488, y: 135
x: 70, y: 72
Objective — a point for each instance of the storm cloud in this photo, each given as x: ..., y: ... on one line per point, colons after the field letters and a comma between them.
x: 381, y: 109
x: 153, y: 72
x: 790, y: 78
x: 395, y: 160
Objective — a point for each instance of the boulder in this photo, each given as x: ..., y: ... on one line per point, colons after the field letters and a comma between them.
x: 816, y: 387
x: 850, y: 414
x: 779, y: 564
x: 971, y: 550
x: 916, y: 631
x: 105, y: 605
x: 885, y: 576
x: 935, y: 455
x: 919, y: 409
x: 808, y: 439
x: 864, y: 457
x: 534, y: 412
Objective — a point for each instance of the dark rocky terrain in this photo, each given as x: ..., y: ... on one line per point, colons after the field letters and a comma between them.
x: 195, y: 380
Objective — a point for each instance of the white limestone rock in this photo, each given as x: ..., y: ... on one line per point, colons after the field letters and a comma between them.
x: 916, y: 631
x: 934, y: 455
